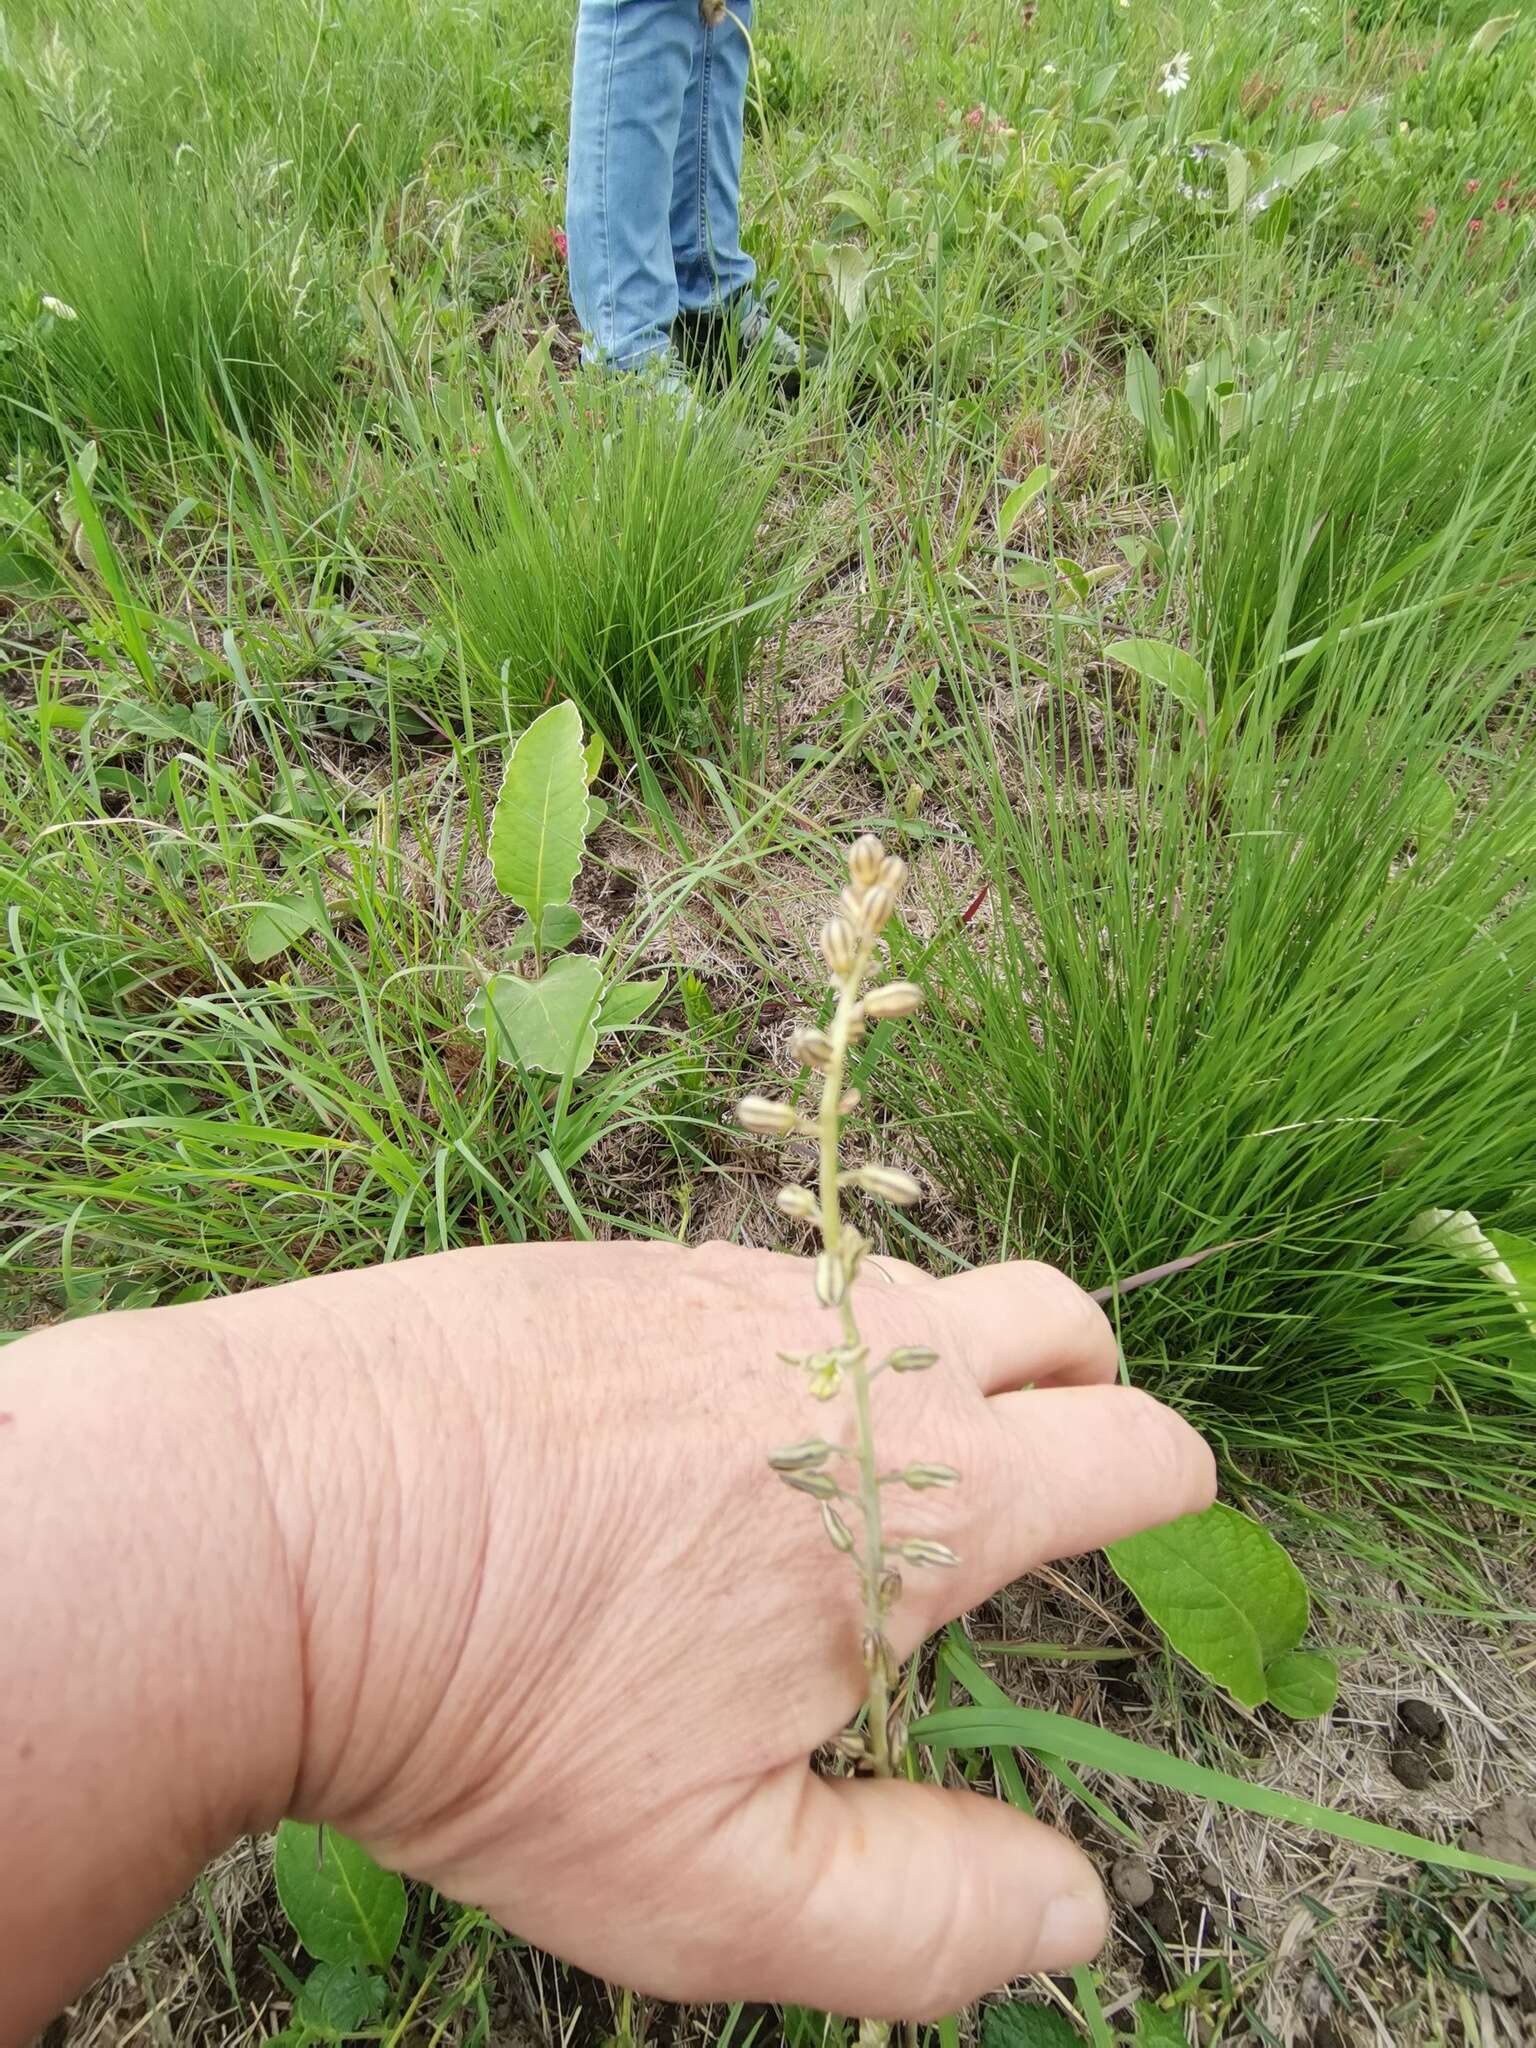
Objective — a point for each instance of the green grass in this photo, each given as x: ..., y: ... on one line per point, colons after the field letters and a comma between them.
x: 306, y: 510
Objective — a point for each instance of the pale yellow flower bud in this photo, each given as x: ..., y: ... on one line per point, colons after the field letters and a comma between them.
x: 809, y: 1047
x: 893, y: 874
x: 797, y: 1202
x: 864, y: 859
x: 848, y: 1101
x: 887, y: 1184
x: 819, y: 1485
x: 878, y: 905
x: 921, y: 1477
x: 831, y: 1279
x: 896, y: 999
x: 839, y: 1535
x: 922, y: 1550
x: 839, y: 947
x: 806, y: 1457
x: 764, y: 1118
x: 912, y: 1358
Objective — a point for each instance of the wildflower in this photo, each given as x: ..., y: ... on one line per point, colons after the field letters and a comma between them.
x: 1472, y: 185
x: 974, y: 118
x: 1501, y: 206
x: 1474, y: 227
x: 1427, y: 219
x: 1175, y: 76
x: 59, y: 308
x: 562, y: 246
x: 1049, y: 70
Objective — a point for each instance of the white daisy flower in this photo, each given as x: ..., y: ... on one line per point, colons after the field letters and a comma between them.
x: 1174, y: 76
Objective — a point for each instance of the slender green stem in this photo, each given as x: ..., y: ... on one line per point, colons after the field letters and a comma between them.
x: 872, y: 1557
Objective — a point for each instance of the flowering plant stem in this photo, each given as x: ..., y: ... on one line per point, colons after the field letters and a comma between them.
x: 829, y: 1130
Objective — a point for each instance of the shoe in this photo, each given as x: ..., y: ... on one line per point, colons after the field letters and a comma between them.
x: 725, y: 337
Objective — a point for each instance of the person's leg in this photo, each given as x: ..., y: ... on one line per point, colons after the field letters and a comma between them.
x: 633, y: 61
x: 711, y: 266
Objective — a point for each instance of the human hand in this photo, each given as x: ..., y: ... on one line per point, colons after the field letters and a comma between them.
x: 566, y: 1644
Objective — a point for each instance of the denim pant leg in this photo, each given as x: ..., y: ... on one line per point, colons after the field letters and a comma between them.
x: 710, y: 262
x: 633, y: 63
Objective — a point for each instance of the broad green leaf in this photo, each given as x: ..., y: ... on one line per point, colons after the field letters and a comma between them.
x: 276, y: 926
x: 857, y: 207
x: 1223, y: 1592
x: 1508, y: 1261
x: 1170, y: 667
x: 550, y: 1024
x: 846, y: 268
x: 1491, y: 34
x: 1288, y: 169
x: 539, y: 827
x: 338, y: 2000
x: 1081, y: 1742
x: 1302, y: 1683
x: 1102, y: 204
x: 1020, y: 498
x: 343, y: 1907
x: 1021, y: 2025
x: 627, y: 1002
x: 1157, y: 2028
x: 1143, y: 391
x: 1237, y: 177
x: 558, y: 927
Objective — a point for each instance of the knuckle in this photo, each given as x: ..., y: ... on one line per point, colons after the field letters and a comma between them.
x: 1177, y: 1456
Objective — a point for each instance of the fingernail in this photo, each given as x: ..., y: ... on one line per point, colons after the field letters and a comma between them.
x: 1072, y: 1930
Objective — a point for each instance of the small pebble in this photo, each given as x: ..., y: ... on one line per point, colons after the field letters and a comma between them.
x: 1420, y: 1720
x: 1212, y: 1879
x: 1131, y: 1881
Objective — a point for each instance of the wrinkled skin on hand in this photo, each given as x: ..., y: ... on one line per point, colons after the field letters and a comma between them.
x: 564, y: 1645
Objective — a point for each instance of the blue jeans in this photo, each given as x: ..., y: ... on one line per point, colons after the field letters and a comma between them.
x: 653, y: 200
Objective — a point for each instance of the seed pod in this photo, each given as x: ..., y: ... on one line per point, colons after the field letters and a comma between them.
x: 921, y: 1477
x: 865, y: 858
x: 848, y: 1101
x: 819, y: 1485
x: 890, y: 1588
x: 912, y: 1358
x: 878, y: 905
x: 857, y: 1021
x: 853, y: 902
x: 893, y: 874
x: 831, y: 1279
x: 797, y: 1202
x: 806, y: 1457
x: 839, y: 1535
x: 809, y: 1047
x: 839, y: 947
x: 896, y: 999
x: 851, y: 1746
x: 888, y: 1184
x: 921, y: 1550
x: 896, y: 1735
x: 764, y: 1118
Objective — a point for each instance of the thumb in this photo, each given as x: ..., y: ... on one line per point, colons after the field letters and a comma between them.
x: 901, y: 1901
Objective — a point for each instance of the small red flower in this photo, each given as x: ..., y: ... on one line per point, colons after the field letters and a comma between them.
x: 1474, y: 227
x: 1427, y: 220
x: 562, y: 246
x: 1473, y: 183
x: 974, y: 118
x: 1501, y: 206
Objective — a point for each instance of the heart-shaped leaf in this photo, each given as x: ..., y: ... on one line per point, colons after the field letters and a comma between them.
x: 1171, y: 668
x: 549, y: 1024
x: 1302, y: 1683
